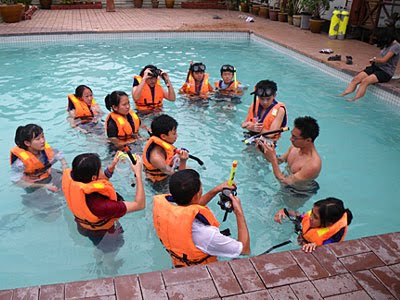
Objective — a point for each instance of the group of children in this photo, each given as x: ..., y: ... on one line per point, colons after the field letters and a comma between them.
x: 90, y: 195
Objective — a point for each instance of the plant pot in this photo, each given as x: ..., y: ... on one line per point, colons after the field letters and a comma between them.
x: 154, y: 4
x: 244, y: 7
x: 296, y: 20
x: 273, y: 14
x: 290, y: 20
x: 12, y: 13
x: 282, y: 17
x: 264, y: 12
x: 316, y: 25
x: 305, y: 22
x: 45, y: 4
x: 255, y: 9
x: 137, y: 3
x: 169, y: 3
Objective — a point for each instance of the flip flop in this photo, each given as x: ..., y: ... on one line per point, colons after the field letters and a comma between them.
x: 335, y: 57
x: 349, y: 60
x: 326, y: 51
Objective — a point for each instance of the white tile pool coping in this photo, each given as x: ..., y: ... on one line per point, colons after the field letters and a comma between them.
x: 388, y: 97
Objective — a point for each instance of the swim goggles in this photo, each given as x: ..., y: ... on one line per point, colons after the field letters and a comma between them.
x: 199, y: 67
x: 228, y: 68
x: 261, y: 92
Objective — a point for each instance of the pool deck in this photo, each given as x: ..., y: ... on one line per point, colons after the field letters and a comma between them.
x: 367, y: 268
x: 162, y: 19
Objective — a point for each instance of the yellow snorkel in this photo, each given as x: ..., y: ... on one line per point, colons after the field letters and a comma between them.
x: 225, y: 201
x: 233, y: 171
x: 234, y: 79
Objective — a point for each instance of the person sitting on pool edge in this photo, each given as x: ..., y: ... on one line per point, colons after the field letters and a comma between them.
x: 265, y: 113
x: 197, y: 239
x: 122, y: 124
x: 147, y: 91
x: 160, y: 157
x: 31, y: 159
x: 196, y: 83
x: 82, y: 108
x: 228, y: 85
x: 91, y: 197
x: 326, y: 223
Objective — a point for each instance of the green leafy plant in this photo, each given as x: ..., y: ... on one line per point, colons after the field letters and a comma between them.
x: 293, y: 7
x: 9, y: 2
x: 315, y: 7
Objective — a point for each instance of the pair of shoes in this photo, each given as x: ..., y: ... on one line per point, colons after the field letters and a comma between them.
x: 249, y: 20
x: 335, y: 57
x: 349, y: 60
x: 326, y: 51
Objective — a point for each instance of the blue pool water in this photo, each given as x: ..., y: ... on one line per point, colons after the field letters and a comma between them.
x: 359, y: 144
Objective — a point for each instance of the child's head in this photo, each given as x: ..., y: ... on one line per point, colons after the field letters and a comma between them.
x: 118, y: 102
x: 30, y: 136
x: 198, y: 70
x: 184, y: 185
x: 86, y: 167
x: 328, y: 211
x: 227, y: 72
x: 85, y: 93
x: 155, y: 73
x: 265, y: 90
x: 165, y: 127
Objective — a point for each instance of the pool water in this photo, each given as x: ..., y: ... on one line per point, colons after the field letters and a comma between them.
x: 359, y: 144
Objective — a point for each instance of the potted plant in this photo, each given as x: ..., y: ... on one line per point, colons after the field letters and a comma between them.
x: 282, y: 15
x: 264, y: 9
x: 244, y: 6
x: 232, y: 4
x: 11, y: 11
x: 45, y: 4
x: 137, y: 3
x: 169, y: 3
x: 319, y: 8
x: 293, y: 9
x: 273, y: 11
x: 296, y: 12
x: 255, y: 9
x: 154, y: 3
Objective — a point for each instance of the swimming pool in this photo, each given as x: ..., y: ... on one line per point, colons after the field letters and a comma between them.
x: 359, y: 144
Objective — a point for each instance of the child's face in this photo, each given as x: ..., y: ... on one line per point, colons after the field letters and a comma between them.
x: 266, y: 102
x: 227, y: 77
x: 152, y: 81
x: 315, y: 220
x: 171, y: 136
x: 123, y: 106
x: 198, y: 76
x: 87, y: 96
x: 37, y: 143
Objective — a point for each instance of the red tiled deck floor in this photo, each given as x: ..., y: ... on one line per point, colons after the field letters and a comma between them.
x: 146, y: 19
x: 367, y: 268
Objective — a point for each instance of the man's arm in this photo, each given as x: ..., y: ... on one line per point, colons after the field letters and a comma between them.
x: 243, y: 232
x: 140, y: 199
x: 170, y: 93
x: 213, y: 192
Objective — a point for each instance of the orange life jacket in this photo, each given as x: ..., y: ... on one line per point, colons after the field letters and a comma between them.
x: 321, y: 234
x: 35, y: 170
x: 190, y: 87
x: 146, y: 101
x: 82, y: 110
x: 269, y: 118
x: 230, y: 88
x: 75, y: 193
x: 173, y: 224
x: 125, y: 130
x: 152, y: 172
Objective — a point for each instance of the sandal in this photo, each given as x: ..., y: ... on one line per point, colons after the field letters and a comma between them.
x: 349, y: 60
x: 335, y: 57
x: 326, y: 51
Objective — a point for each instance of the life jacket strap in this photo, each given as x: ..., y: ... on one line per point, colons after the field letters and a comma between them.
x: 91, y: 224
x: 185, y: 260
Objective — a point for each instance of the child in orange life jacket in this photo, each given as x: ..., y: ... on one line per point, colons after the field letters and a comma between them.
x: 92, y: 198
x: 32, y: 158
x: 228, y: 86
x: 197, y: 83
x: 326, y: 223
x: 147, y: 91
x: 82, y: 108
x: 160, y: 157
x: 122, y: 124
x: 265, y: 113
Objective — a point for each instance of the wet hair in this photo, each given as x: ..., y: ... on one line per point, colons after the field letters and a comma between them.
x: 267, y: 84
x: 386, y: 37
x: 151, y: 67
x: 162, y: 125
x: 26, y: 134
x: 85, y: 166
x: 308, y: 127
x: 331, y: 210
x: 184, y: 185
x: 79, y: 90
x: 113, y: 99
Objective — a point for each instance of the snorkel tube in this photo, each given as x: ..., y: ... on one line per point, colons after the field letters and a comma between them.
x: 199, y: 161
x: 252, y: 139
x: 234, y: 79
x: 132, y: 158
x: 225, y: 201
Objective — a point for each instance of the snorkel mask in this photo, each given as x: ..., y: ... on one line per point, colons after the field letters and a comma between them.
x: 228, y: 68
x: 198, y: 67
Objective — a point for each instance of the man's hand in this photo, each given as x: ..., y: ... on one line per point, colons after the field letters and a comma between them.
x: 51, y: 187
x: 310, y: 247
x: 237, y: 206
x: 183, y: 154
x: 279, y: 216
x: 137, y: 168
x: 267, y: 150
x: 225, y: 185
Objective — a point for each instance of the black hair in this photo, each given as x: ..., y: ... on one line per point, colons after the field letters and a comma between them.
x: 267, y: 84
x: 26, y: 134
x: 184, y: 185
x: 151, y: 67
x: 222, y: 69
x: 386, y: 37
x: 85, y: 166
x: 113, y: 99
x: 308, y: 127
x: 331, y: 210
x: 79, y: 90
x: 162, y: 125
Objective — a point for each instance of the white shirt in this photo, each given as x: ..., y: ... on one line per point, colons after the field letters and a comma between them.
x: 209, y: 240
